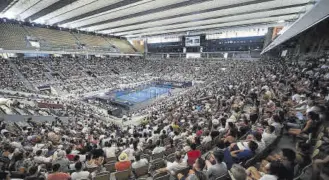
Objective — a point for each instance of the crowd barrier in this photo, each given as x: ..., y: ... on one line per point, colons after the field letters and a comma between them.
x: 50, y: 105
x: 177, y: 84
x: 22, y: 118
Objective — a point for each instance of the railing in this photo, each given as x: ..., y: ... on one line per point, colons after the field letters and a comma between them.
x: 204, y: 55
x: 70, y: 51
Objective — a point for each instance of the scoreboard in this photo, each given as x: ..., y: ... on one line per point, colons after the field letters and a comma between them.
x: 192, y: 41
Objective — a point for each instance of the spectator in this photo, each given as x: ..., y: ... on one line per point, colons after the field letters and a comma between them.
x: 303, y: 154
x: 19, y: 163
x: 215, y: 165
x: 34, y: 174
x: 199, y: 131
x: 277, y: 124
x: 309, y: 126
x: 196, y: 172
x: 41, y: 159
x: 139, y: 162
x: 124, y: 162
x: 238, y: 172
x: 172, y: 168
x: 231, y: 135
x: 321, y: 168
x: 193, y: 154
x: 214, y: 132
x: 269, y: 135
x: 177, y: 136
x: 75, y: 160
x: 287, y: 157
x: 235, y: 155
x: 257, y: 137
x: 275, y: 170
x: 206, y: 138
x: 55, y: 175
x: 109, y: 150
x: 79, y: 174
x: 62, y: 161
x: 158, y: 149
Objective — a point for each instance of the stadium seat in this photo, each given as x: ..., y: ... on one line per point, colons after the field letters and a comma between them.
x: 141, y: 172
x: 110, y: 167
x: 103, y: 176
x: 122, y: 175
x: 171, y: 157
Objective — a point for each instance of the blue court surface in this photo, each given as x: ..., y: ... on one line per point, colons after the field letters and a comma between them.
x: 143, y: 95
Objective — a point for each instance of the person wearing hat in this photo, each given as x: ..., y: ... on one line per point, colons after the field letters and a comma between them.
x: 124, y: 163
x: 215, y: 165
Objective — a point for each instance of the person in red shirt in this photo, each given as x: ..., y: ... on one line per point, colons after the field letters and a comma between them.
x: 56, y: 175
x: 193, y: 154
x: 199, y: 132
x: 124, y: 163
x: 69, y: 155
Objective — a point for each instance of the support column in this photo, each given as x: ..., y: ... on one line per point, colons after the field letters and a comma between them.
x: 145, y: 47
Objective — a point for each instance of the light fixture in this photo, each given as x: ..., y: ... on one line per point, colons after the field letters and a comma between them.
x: 63, y: 25
x: 9, y: 15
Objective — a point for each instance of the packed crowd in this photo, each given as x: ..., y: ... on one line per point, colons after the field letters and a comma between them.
x: 79, y: 75
x: 35, y: 106
x: 34, y: 70
x: 210, y: 131
x: 9, y: 78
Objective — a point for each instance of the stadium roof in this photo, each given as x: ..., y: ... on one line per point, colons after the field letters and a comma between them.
x: 137, y: 18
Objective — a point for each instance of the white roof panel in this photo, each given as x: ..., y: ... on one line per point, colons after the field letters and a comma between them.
x: 153, y: 17
x: 143, y: 6
x: 228, y: 24
x: 219, y: 20
x: 212, y: 21
x: 182, y: 10
x: 172, y: 12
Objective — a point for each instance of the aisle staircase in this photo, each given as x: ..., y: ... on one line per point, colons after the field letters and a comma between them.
x: 51, y: 71
x: 21, y: 77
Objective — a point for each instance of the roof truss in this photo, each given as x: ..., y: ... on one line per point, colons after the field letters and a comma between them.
x: 134, y: 18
